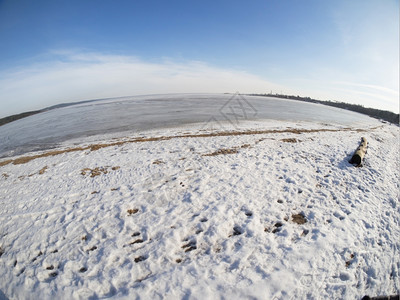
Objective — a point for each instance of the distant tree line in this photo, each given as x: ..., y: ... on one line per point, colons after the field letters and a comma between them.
x: 30, y: 113
x: 372, y: 112
x: 18, y: 116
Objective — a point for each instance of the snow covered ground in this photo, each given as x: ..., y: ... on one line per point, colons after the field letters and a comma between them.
x: 257, y: 214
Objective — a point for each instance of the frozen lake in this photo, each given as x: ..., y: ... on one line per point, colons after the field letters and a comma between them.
x: 135, y: 114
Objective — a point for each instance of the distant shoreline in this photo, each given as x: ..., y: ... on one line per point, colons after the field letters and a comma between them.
x: 379, y: 114
x: 372, y: 112
x: 16, y: 117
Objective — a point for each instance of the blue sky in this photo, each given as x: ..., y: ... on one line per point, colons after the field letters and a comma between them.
x: 63, y: 51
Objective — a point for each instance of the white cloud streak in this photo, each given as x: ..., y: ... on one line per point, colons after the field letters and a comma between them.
x: 370, y: 87
x: 81, y: 76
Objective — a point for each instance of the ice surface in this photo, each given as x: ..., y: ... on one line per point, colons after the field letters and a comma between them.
x: 265, y: 215
x: 135, y: 114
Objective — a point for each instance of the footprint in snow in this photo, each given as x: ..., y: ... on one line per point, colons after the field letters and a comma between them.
x: 248, y: 213
x: 237, y: 230
x: 189, y: 245
x: 53, y: 274
x: 137, y: 241
x: 339, y: 216
x: 348, y: 262
x: 21, y: 271
x: 39, y: 254
x: 278, y: 227
x: 141, y: 258
x: 305, y: 232
x: 275, y: 229
x: 91, y: 249
x: 84, y: 238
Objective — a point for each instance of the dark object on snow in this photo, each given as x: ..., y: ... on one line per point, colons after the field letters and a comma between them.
x: 395, y: 297
x: 359, y: 154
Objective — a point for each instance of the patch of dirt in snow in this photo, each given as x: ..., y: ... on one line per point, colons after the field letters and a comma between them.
x: 157, y: 162
x: 222, y: 152
x: 132, y: 211
x: 97, y: 171
x: 41, y: 172
x: 299, y: 219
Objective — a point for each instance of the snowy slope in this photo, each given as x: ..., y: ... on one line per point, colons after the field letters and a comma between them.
x: 273, y: 215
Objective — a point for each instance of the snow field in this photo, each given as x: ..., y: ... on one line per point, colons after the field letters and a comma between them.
x: 279, y: 215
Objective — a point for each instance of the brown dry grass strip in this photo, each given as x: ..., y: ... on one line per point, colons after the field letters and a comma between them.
x: 43, y: 170
x: 6, y: 162
x: 222, y: 152
x: 290, y: 140
x: 94, y: 147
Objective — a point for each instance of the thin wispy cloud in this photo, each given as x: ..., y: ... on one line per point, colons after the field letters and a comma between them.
x: 77, y: 76
x: 372, y: 87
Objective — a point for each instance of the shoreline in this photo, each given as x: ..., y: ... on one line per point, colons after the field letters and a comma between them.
x: 97, y: 146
